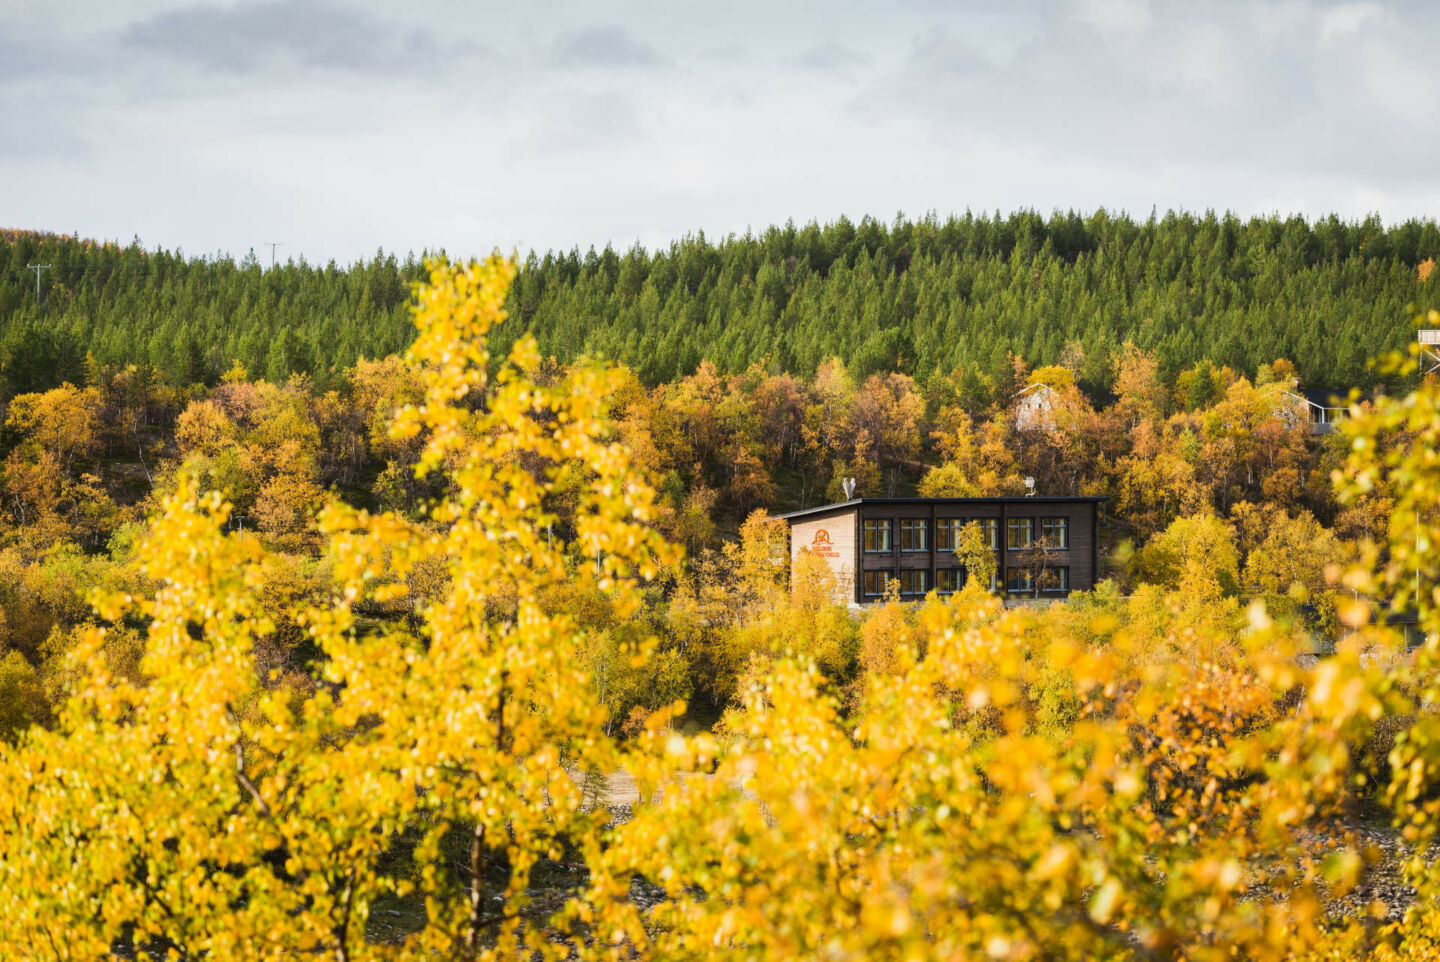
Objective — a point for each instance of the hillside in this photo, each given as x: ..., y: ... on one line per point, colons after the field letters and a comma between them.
x: 918, y: 297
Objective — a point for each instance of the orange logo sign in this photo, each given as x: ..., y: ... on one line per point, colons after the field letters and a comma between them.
x: 821, y: 545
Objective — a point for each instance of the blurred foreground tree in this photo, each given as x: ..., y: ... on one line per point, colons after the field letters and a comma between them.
x: 226, y: 814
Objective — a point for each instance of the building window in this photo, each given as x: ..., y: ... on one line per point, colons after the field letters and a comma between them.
x: 1055, y: 532
x: 912, y: 534
x: 875, y: 582
x: 947, y: 532
x: 913, y: 582
x: 877, y: 534
x: 1051, y: 579
x: 1055, y: 579
x: 1019, y: 532
x: 949, y: 579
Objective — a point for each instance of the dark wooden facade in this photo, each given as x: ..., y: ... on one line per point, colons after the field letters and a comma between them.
x: 1045, y: 547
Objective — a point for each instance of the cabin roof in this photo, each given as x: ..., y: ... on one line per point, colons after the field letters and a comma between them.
x: 1007, y: 499
x: 1325, y: 397
x: 1033, y: 388
x: 1321, y: 397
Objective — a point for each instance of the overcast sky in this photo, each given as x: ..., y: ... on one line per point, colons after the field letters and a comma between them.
x: 340, y: 127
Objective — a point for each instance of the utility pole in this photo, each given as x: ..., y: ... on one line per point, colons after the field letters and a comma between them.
x: 272, y: 245
x: 38, y: 268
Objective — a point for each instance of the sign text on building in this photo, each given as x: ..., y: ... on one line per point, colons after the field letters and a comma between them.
x: 821, y: 545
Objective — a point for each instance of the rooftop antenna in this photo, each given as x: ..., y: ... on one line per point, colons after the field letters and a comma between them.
x: 1430, y: 347
x: 272, y: 245
x: 849, y: 485
x: 38, y: 268
x: 1029, y: 487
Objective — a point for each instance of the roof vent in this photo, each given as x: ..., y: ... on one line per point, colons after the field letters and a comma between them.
x: 849, y: 485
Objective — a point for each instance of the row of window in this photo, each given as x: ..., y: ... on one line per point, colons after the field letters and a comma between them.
x: 914, y: 533
x: 917, y: 582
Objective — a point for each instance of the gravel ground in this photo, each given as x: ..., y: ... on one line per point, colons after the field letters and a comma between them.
x: 1384, y: 882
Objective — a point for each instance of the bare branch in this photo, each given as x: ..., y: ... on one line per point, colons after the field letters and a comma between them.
x: 240, y: 775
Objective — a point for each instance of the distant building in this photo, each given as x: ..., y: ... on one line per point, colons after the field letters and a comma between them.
x: 1043, y: 546
x: 1035, y: 408
x: 1322, y: 408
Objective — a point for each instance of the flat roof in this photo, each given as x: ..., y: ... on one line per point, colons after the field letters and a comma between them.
x: 1323, y: 397
x: 1007, y: 499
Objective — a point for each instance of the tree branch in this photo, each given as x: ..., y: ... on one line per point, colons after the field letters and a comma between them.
x: 342, y: 931
x: 477, y: 887
x: 240, y: 775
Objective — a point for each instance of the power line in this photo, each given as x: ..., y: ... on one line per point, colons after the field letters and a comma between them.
x: 272, y: 245
x: 38, y: 268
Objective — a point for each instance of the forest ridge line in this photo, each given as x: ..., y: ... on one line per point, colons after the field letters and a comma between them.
x: 923, y: 297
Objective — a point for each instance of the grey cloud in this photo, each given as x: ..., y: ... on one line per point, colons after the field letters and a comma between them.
x: 39, y: 120
x: 27, y: 57
x: 603, y: 46
x: 584, y: 122
x: 690, y: 116
x: 19, y: 60
x: 732, y: 52
x: 305, y: 33
x: 833, y: 58
x: 33, y: 137
x: 1252, y: 88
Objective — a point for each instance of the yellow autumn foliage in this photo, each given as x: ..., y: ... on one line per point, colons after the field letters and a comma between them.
x: 1167, y: 776
x: 212, y: 812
